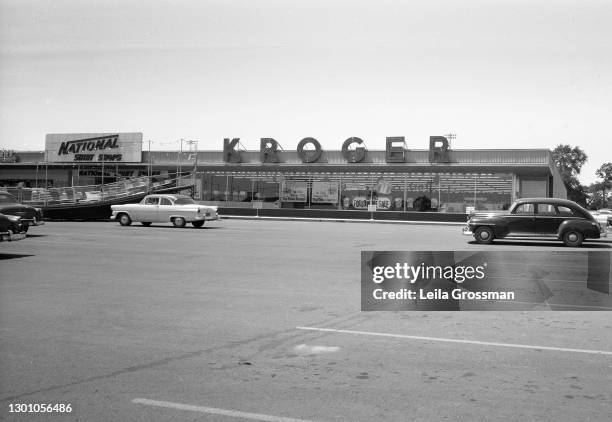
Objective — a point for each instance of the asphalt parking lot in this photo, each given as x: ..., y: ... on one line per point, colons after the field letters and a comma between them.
x: 261, y: 320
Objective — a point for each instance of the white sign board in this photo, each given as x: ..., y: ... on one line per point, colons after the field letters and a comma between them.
x: 293, y: 191
x: 324, y: 192
x: 94, y: 147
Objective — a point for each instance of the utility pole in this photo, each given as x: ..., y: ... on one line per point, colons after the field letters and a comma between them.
x: 178, y: 162
x: 193, y: 152
x: 149, y: 169
x: 102, y: 186
x: 46, y: 169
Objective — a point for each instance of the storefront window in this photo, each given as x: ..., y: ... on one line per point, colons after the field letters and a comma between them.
x: 411, y: 191
x: 240, y: 189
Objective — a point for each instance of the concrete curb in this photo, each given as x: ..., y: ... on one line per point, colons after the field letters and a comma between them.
x: 343, y: 220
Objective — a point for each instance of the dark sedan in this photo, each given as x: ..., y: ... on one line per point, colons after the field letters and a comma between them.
x: 9, y: 205
x: 559, y: 219
x: 12, y: 228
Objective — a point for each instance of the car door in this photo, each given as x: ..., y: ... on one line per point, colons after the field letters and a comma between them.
x: 148, y: 210
x: 166, y: 209
x: 547, y: 220
x: 521, y: 221
x: 565, y: 214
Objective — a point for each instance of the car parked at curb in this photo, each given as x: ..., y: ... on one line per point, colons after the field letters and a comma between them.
x: 553, y: 218
x: 12, y: 228
x: 163, y: 208
x: 9, y: 205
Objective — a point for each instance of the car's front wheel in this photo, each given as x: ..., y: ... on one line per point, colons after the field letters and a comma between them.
x: 125, y: 220
x: 484, y: 234
x: 179, y: 222
x: 197, y: 224
x: 573, y: 238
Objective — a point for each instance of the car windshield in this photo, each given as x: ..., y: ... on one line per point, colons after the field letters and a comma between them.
x: 184, y: 201
x: 7, y: 198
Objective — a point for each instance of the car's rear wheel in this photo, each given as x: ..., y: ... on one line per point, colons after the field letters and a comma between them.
x: 484, y: 234
x: 197, y: 224
x: 146, y: 223
x: 125, y: 220
x: 179, y: 222
x: 573, y: 238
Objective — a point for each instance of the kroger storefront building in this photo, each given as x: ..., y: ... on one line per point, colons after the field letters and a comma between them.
x: 397, y: 178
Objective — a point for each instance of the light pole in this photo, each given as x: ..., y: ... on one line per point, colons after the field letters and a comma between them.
x: 46, y: 169
x: 178, y: 162
x: 439, y: 191
x: 475, y: 185
x: 193, y: 151
x: 451, y: 137
x: 102, y: 185
x: 150, y: 170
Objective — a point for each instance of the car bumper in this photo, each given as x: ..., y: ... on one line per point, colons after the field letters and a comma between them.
x: 212, y: 217
x: 33, y: 221
x: 199, y: 217
x: 10, y: 237
x: 467, y: 231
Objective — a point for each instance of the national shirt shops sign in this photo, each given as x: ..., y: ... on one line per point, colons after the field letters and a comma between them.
x: 94, y: 147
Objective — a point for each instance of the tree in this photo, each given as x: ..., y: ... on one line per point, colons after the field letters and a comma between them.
x: 570, y: 160
x: 596, y: 195
x: 605, y: 173
x: 576, y: 191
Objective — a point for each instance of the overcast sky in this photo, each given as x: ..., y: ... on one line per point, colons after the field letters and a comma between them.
x: 499, y: 74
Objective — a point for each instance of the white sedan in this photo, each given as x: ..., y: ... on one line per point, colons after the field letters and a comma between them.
x: 176, y: 209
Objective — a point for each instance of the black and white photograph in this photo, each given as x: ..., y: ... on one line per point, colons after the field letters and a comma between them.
x: 305, y: 210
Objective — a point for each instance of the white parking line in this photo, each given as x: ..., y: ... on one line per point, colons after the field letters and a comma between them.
x: 215, y: 411
x: 560, y: 305
x: 452, y: 340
